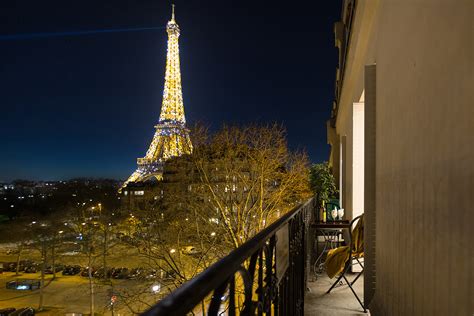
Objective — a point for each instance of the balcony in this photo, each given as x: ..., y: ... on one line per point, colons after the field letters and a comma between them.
x: 339, y: 302
x: 269, y: 275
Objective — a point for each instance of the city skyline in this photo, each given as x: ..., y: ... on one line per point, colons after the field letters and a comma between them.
x: 86, y: 105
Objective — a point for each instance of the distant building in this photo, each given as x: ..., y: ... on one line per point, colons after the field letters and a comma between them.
x: 137, y: 195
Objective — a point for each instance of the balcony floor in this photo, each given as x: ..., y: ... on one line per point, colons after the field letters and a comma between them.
x: 340, y: 301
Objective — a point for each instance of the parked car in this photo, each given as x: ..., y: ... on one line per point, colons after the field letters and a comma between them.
x: 101, y: 273
x: 129, y: 240
x: 120, y: 273
x: 72, y: 270
x: 7, y: 311
x: 23, y: 264
x: 49, y: 268
x: 26, y: 311
x: 9, y: 266
x: 24, y: 284
x: 136, y: 273
x: 190, y: 250
x: 150, y: 274
x: 32, y: 268
x: 85, y: 271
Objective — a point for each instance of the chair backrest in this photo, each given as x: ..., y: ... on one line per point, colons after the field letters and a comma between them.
x: 357, y: 235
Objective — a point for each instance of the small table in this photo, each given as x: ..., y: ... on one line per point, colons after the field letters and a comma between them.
x: 332, y: 224
x: 330, y: 231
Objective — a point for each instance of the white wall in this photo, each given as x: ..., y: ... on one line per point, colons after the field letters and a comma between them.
x: 424, y: 150
x: 360, y: 53
x: 424, y: 158
x: 358, y: 159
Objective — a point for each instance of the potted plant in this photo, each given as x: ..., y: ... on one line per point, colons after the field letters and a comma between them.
x: 322, y: 184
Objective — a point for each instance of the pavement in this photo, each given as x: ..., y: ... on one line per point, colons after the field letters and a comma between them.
x: 340, y: 301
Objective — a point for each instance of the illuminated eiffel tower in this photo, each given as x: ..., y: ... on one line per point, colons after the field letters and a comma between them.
x: 171, y: 138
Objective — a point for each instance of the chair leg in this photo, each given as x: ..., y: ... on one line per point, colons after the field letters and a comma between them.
x: 338, y: 279
x: 355, y: 294
x: 361, y: 265
x: 354, y: 281
x: 334, y: 284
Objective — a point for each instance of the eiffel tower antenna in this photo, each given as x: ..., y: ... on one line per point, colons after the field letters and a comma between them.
x: 171, y: 137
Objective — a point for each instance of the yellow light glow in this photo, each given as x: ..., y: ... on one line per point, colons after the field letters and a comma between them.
x: 171, y: 137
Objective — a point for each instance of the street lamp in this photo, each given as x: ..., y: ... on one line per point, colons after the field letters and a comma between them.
x: 156, y: 288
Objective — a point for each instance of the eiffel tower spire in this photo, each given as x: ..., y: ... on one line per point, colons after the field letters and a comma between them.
x: 171, y: 137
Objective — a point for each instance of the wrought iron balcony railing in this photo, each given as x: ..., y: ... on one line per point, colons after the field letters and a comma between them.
x: 271, y: 269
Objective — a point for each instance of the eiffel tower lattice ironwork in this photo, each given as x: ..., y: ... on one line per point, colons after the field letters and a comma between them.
x: 171, y: 137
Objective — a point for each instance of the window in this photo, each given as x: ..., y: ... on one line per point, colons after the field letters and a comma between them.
x: 139, y: 192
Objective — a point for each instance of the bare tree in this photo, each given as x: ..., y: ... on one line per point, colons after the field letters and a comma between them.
x: 246, y: 178
x: 43, y: 240
x: 95, y: 231
x: 236, y: 182
x: 21, y: 245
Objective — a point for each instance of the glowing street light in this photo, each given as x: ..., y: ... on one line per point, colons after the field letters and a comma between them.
x: 173, y: 250
x: 156, y: 288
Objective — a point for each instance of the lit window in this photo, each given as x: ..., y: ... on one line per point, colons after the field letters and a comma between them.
x: 139, y: 192
x: 125, y: 192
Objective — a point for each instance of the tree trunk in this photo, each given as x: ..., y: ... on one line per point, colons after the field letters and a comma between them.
x: 104, y: 255
x: 53, y: 259
x: 43, y: 264
x: 18, y: 258
x: 91, y: 284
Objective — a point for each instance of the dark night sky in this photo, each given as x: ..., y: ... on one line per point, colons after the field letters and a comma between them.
x: 86, y: 105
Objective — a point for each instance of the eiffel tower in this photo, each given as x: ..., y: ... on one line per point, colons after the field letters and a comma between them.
x: 171, y: 137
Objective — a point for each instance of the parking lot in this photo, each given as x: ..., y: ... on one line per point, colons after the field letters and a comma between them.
x: 71, y: 293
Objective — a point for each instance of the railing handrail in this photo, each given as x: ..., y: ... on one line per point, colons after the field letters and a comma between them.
x: 191, y: 293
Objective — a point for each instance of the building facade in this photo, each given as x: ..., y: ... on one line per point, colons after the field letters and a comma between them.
x: 401, y: 135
